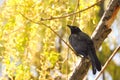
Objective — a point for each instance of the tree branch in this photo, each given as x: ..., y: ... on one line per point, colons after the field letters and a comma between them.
x: 59, y: 17
x: 74, y: 17
x: 110, y: 58
x: 39, y: 23
x: 98, y: 36
x: 103, y: 28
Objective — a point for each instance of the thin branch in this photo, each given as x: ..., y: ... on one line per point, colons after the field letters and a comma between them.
x: 59, y: 17
x: 50, y: 29
x: 77, y: 5
x: 14, y: 31
x: 107, y: 62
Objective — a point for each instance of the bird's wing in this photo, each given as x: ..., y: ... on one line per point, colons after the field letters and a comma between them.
x: 78, y: 42
x: 92, y: 54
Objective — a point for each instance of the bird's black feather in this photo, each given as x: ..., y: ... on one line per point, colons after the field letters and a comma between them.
x: 83, y: 45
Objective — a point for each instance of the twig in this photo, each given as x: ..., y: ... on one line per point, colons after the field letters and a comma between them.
x: 14, y: 31
x: 51, y: 30
x: 77, y: 5
x: 59, y: 17
x: 105, y: 65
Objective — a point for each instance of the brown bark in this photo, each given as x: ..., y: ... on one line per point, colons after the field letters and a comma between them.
x: 99, y: 35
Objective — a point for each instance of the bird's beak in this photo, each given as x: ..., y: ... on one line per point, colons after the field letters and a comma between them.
x: 69, y: 26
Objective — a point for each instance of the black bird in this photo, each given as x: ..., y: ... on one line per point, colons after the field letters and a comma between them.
x: 83, y: 45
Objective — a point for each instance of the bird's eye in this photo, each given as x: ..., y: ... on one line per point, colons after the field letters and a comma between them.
x: 75, y: 27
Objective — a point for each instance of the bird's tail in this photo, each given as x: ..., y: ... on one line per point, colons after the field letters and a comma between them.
x: 95, y: 62
x: 93, y: 67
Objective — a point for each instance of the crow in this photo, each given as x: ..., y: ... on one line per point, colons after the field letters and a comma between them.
x: 83, y: 45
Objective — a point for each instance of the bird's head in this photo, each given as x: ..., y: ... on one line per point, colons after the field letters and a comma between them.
x: 74, y: 29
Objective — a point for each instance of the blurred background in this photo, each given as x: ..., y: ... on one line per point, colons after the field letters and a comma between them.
x: 30, y: 51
